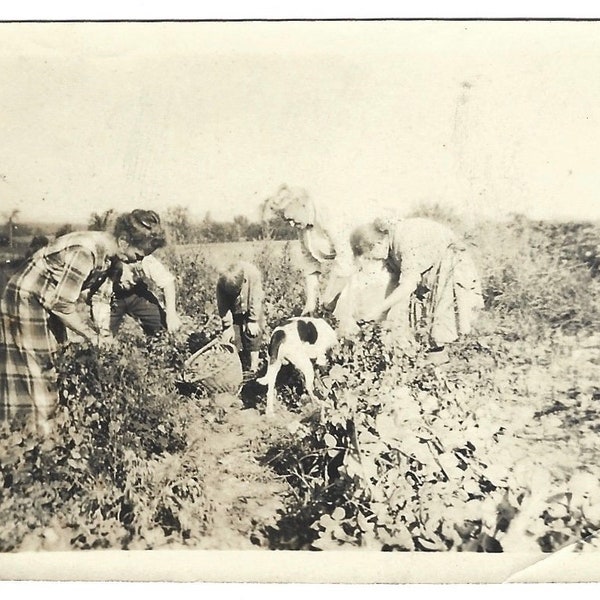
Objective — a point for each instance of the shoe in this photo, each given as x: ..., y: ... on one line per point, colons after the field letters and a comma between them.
x: 437, y: 356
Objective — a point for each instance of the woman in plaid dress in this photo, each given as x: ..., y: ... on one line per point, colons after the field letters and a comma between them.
x: 40, y: 301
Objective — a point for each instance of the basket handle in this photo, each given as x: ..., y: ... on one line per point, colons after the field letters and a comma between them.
x: 211, y: 344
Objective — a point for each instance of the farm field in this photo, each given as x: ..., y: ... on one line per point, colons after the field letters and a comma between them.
x: 496, y: 451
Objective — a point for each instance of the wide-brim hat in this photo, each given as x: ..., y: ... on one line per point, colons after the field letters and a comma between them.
x: 292, y: 203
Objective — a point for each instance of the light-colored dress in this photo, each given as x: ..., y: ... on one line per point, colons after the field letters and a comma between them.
x: 326, y: 252
x: 136, y: 292
x: 435, y: 275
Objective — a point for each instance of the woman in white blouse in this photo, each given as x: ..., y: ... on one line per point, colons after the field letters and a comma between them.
x: 325, y: 245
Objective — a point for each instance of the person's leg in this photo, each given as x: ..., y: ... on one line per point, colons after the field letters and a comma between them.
x: 239, y: 339
x: 467, y: 292
x: 145, y: 308
x: 250, y: 346
x: 118, y: 310
x: 253, y: 361
x: 442, y: 308
x: 28, y: 345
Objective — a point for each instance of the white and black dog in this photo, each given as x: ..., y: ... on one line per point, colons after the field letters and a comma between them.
x: 298, y: 341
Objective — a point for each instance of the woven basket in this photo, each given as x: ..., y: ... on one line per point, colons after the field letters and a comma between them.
x: 215, y: 368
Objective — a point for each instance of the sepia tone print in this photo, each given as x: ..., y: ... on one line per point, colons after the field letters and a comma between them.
x: 311, y: 286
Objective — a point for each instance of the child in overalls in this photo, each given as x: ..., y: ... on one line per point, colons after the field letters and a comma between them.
x: 240, y: 305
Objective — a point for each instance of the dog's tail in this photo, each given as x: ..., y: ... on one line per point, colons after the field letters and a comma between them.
x: 277, y: 339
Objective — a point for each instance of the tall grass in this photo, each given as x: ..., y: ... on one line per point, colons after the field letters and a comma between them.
x: 535, y: 280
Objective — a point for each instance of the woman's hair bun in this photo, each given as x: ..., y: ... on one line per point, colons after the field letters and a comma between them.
x: 148, y: 219
x: 141, y: 228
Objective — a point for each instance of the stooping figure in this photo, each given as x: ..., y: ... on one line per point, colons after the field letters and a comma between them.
x: 40, y: 303
x: 133, y: 294
x: 324, y: 243
x: 240, y: 304
x: 435, y: 285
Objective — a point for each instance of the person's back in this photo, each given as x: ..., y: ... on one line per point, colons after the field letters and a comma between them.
x: 10, y: 266
x: 136, y: 290
x: 7, y: 269
x: 418, y: 243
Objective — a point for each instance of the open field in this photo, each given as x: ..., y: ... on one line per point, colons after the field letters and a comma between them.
x: 497, y: 450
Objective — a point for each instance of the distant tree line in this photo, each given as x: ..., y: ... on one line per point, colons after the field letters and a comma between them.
x: 184, y: 229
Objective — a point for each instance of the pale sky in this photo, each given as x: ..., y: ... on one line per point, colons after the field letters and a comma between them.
x: 488, y: 117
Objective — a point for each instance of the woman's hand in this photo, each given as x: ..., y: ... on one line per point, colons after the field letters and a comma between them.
x: 228, y: 335
x: 76, y: 322
x: 252, y: 329
x: 105, y: 340
x: 173, y: 321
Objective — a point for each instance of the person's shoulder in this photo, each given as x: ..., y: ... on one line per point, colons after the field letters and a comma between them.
x: 91, y: 241
x: 250, y: 268
x: 151, y: 261
x: 155, y: 270
x: 423, y: 224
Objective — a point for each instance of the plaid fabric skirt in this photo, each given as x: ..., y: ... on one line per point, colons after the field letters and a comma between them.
x: 29, y: 340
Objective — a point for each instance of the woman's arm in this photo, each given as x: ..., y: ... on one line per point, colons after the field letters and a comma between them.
x: 79, y: 325
x: 400, y: 297
x: 100, y: 301
x: 164, y: 279
x: 255, y: 293
x: 312, y: 281
x: 77, y: 264
x: 173, y: 320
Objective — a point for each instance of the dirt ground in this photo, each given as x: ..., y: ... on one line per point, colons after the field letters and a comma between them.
x: 246, y: 496
x: 554, y: 412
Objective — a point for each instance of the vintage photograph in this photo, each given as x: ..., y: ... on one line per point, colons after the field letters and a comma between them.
x: 313, y: 286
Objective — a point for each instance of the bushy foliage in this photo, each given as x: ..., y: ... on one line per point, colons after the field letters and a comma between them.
x: 402, y: 455
x: 196, y: 282
x: 186, y: 230
x: 116, y: 470
x: 540, y: 277
x: 283, y: 284
x: 399, y: 454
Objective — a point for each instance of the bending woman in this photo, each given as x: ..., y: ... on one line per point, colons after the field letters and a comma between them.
x: 40, y: 303
x: 134, y: 295
x: 325, y: 245
x: 436, y: 286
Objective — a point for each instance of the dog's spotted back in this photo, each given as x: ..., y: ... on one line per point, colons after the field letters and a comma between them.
x: 306, y: 332
x: 297, y: 341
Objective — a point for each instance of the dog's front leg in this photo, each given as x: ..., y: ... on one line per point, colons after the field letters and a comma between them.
x: 321, y: 360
